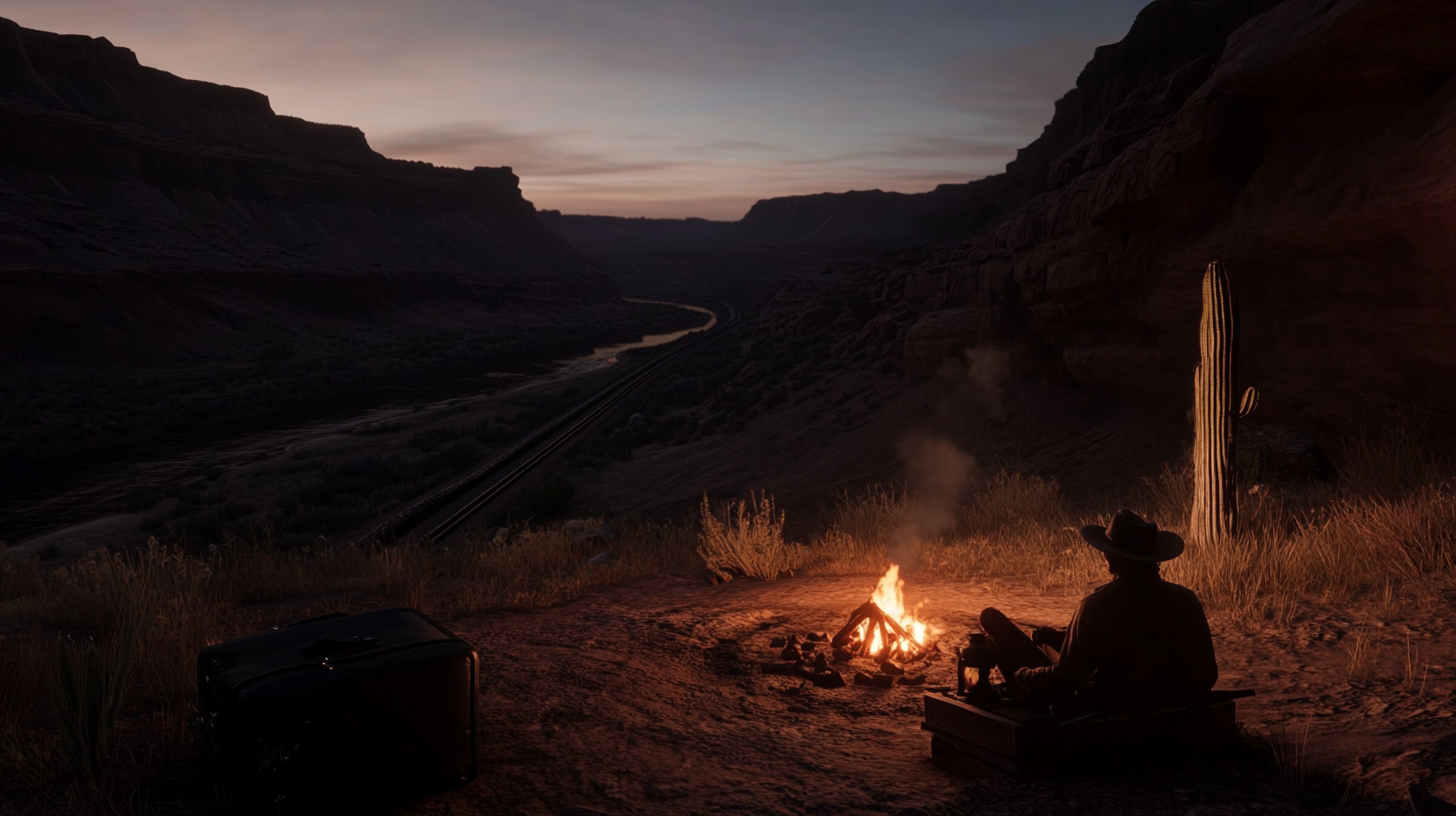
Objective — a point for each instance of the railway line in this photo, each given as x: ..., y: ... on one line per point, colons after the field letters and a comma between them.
x: 441, y: 513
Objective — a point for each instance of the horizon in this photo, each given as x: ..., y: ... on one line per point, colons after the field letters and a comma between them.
x: 639, y: 108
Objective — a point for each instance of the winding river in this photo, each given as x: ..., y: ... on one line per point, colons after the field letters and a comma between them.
x: 90, y: 492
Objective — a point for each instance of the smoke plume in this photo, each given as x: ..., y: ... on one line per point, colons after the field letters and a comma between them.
x: 938, y: 473
x: 987, y: 370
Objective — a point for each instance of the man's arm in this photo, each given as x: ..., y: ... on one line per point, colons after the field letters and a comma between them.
x: 1080, y: 657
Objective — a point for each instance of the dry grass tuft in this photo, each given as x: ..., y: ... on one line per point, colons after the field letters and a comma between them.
x: 747, y: 539
x: 1389, y: 526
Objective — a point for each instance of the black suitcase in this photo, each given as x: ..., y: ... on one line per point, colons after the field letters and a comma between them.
x: 343, y: 713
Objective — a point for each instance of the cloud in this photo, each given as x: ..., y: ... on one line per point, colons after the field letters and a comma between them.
x: 652, y: 104
x: 471, y: 144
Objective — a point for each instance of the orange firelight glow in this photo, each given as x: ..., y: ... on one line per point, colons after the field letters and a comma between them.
x: 890, y: 598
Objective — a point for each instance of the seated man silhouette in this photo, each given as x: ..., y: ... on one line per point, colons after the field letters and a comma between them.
x: 1137, y: 642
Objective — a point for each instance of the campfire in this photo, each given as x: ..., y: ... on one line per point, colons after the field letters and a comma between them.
x: 880, y: 630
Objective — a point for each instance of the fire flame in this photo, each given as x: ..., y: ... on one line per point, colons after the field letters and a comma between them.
x: 889, y: 596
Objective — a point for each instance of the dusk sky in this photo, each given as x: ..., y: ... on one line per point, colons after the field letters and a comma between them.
x: 641, y: 107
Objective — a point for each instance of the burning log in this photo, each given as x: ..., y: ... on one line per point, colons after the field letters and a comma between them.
x: 868, y: 626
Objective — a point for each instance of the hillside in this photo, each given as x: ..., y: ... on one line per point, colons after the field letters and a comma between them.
x: 134, y: 198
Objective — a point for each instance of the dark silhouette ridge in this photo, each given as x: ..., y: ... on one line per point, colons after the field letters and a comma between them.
x: 134, y: 197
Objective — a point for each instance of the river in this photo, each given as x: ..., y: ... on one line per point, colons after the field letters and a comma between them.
x: 92, y: 490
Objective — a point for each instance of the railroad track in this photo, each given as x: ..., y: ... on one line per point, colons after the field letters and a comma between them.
x: 487, y: 482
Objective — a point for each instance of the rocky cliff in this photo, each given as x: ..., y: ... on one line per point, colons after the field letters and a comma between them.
x: 1122, y: 92
x: 134, y: 198
x: 1314, y: 152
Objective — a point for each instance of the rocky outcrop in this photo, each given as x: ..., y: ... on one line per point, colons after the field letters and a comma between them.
x: 1314, y: 153
x: 1126, y: 89
x: 132, y: 196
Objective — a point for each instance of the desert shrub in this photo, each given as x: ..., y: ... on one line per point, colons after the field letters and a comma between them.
x: 1390, y: 460
x: 87, y: 695
x: 747, y: 539
x: 1015, y: 500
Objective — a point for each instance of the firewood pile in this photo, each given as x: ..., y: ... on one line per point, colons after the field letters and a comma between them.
x: 870, y: 637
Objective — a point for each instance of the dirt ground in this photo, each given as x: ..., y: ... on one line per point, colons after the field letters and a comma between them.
x: 647, y: 698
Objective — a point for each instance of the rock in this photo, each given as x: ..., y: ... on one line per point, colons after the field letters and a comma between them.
x: 790, y: 652
x: 584, y: 532
x: 778, y: 643
x: 828, y: 679
x: 821, y: 663
x: 875, y: 680
x: 842, y: 656
x: 913, y: 680
x: 820, y: 637
x: 947, y: 334
x: 891, y: 668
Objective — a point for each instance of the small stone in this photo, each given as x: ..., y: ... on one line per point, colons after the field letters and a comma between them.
x: 790, y: 652
x: 883, y: 681
x: 842, y: 656
x: 793, y: 640
x: 819, y: 638
x: 913, y: 680
x: 828, y: 679
x: 821, y: 663
x: 892, y: 668
x: 778, y: 643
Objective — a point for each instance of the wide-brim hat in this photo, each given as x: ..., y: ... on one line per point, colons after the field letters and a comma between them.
x: 1131, y: 537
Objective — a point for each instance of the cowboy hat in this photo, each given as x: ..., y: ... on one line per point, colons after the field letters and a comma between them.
x: 1130, y: 537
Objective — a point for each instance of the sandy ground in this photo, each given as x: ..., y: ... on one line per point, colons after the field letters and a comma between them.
x: 647, y: 698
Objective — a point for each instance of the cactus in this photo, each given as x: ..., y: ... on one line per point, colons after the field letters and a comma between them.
x: 1215, y: 493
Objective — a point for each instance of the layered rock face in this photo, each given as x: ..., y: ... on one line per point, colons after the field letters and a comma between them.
x: 1313, y: 151
x: 135, y: 199
x: 1121, y: 93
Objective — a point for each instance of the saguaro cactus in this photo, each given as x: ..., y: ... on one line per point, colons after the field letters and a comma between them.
x: 1215, y: 489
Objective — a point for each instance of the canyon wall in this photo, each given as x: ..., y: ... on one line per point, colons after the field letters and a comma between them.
x: 1314, y: 153
x: 136, y: 199
x: 1170, y: 46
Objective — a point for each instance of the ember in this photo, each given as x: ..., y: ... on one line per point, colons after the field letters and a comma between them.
x: 880, y: 628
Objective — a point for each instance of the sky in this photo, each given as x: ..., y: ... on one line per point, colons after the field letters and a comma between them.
x: 658, y: 108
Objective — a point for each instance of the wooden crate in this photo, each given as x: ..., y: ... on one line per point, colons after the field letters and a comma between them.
x: 1030, y: 742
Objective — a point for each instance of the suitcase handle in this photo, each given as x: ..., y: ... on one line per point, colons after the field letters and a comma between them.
x: 330, y: 648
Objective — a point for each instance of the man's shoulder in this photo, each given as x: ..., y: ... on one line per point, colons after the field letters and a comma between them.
x: 1115, y: 589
